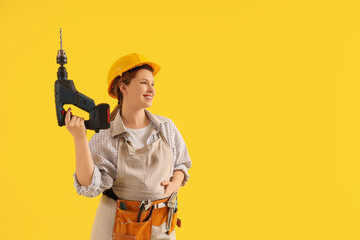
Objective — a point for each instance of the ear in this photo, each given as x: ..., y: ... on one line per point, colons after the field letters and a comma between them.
x: 122, y: 88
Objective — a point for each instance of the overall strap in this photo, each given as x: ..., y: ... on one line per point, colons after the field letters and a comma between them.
x: 130, y: 147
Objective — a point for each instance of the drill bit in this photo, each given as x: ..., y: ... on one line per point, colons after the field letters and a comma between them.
x: 61, y: 58
x: 60, y: 39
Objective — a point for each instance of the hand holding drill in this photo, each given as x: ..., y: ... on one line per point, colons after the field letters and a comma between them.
x: 75, y: 125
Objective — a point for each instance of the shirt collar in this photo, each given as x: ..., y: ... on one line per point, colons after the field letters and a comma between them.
x: 117, y: 125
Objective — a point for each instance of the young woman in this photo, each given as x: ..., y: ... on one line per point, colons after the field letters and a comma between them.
x: 139, y: 163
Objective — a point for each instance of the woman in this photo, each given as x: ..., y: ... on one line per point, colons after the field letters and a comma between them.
x: 139, y: 163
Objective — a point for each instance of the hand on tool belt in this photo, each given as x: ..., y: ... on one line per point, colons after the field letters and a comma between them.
x: 170, y: 187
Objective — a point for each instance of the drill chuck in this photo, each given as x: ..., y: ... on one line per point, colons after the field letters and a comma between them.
x: 61, y: 57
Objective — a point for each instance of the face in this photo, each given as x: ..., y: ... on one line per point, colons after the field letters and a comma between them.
x: 140, y: 92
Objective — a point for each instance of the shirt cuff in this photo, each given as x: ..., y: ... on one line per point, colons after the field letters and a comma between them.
x: 183, y: 168
x: 88, y: 191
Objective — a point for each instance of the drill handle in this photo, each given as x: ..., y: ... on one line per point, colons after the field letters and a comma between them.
x: 99, y: 118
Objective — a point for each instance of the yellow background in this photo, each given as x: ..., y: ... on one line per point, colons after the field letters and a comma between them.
x: 264, y: 93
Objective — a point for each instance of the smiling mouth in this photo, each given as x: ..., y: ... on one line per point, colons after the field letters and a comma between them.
x: 148, y: 97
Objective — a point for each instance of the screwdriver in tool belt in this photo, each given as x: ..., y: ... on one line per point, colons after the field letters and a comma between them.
x: 148, y: 217
x: 122, y: 205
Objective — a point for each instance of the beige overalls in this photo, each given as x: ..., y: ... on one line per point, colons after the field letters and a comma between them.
x: 139, y: 176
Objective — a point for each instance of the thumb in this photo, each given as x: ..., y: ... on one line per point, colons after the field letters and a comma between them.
x: 67, y: 116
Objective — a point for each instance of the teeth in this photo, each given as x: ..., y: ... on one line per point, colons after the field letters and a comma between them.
x: 148, y: 97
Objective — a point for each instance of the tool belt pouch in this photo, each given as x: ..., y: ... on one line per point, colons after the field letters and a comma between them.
x: 174, y: 221
x: 126, y: 226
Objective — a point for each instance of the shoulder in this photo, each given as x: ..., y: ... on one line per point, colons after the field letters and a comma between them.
x: 103, y: 134
x: 102, y: 141
x: 166, y: 124
x: 163, y: 119
x: 170, y: 130
x: 159, y: 120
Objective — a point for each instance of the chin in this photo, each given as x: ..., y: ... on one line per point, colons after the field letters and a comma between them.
x: 147, y: 105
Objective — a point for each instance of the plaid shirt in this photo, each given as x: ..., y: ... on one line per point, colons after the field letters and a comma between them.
x: 104, y: 150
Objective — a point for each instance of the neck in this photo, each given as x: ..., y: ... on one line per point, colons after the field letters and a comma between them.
x: 134, y: 118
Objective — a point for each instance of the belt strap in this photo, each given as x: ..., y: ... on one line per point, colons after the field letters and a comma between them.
x: 159, y: 205
x: 110, y: 193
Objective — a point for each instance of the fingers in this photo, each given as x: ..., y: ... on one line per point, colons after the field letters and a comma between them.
x: 165, y: 182
x: 75, y: 125
x: 165, y: 190
x: 73, y: 120
x: 82, y: 122
x: 76, y: 121
x: 67, y: 116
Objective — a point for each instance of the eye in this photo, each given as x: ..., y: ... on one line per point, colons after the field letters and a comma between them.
x: 152, y: 84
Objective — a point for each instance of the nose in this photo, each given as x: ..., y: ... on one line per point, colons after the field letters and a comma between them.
x: 151, y: 89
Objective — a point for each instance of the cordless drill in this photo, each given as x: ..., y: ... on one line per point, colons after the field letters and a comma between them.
x: 65, y: 93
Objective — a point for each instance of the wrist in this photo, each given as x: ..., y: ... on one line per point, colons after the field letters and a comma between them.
x: 177, y: 182
x: 80, y: 139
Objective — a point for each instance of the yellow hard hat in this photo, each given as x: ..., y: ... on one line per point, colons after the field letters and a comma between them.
x: 126, y: 63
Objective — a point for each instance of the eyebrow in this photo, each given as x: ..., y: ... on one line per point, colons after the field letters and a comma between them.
x: 147, y: 79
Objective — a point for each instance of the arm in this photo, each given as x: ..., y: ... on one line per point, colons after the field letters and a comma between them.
x: 84, y: 164
x: 175, y: 182
x: 178, y: 177
x: 182, y: 161
x: 88, y: 181
x: 95, y: 161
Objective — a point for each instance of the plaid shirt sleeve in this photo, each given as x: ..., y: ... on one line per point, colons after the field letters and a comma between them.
x: 103, y: 153
x: 182, y: 159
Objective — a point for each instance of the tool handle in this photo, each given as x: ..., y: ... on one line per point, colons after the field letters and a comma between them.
x: 99, y: 118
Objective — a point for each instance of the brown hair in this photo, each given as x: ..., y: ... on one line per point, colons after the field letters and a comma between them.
x: 126, y: 79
